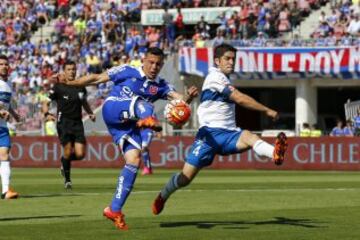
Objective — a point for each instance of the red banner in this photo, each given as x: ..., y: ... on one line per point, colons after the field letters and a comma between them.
x: 325, y: 153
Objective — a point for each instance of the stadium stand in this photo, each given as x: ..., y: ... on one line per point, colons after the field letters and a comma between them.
x: 100, y: 34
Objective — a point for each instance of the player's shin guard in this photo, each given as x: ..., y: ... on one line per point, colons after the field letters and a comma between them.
x: 5, y: 173
x: 125, y: 185
x: 170, y: 187
x: 263, y: 148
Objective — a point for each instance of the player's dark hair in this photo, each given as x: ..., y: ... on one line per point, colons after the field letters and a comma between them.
x: 3, y: 57
x: 155, y: 51
x: 220, y: 50
x: 68, y: 62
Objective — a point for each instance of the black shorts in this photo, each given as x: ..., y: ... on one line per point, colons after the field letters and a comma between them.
x: 70, y: 131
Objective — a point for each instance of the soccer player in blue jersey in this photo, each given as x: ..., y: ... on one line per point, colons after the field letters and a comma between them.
x: 5, y: 144
x: 126, y: 110
x: 218, y: 133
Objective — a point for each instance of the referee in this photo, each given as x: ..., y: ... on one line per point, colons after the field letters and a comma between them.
x: 70, y: 128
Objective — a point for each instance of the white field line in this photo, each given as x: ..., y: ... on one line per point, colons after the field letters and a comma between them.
x: 203, y: 190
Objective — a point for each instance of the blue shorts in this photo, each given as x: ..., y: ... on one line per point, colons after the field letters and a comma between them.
x: 4, y: 137
x: 120, y: 118
x: 146, y: 137
x: 212, y: 141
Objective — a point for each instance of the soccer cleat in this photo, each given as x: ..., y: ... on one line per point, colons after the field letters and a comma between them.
x: 281, y: 145
x: 68, y: 185
x: 10, y: 194
x: 147, y: 171
x: 117, y: 217
x: 149, y: 122
x: 158, y: 205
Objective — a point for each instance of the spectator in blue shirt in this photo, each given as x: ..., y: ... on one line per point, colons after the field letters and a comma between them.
x: 338, y: 131
x: 349, y: 129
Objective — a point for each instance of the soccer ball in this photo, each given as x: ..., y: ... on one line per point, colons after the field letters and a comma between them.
x: 177, y: 112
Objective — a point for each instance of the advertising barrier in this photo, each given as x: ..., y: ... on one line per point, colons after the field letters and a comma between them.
x: 324, y: 153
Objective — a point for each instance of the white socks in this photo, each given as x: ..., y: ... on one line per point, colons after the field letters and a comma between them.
x: 263, y: 148
x: 5, y: 173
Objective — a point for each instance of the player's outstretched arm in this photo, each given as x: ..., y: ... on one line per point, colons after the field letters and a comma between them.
x: 91, y: 79
x: 250, y: 103
x: 192, y: 92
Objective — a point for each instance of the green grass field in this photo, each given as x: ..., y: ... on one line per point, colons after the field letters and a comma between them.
x: 218, y: 205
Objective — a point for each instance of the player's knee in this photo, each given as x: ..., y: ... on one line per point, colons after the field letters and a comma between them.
x: 135, y: 161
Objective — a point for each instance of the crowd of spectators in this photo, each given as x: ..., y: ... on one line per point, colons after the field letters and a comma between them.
x: 341, y: 26
x: 100, y: 34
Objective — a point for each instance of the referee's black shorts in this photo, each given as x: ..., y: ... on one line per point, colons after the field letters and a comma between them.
x: 71, y: 131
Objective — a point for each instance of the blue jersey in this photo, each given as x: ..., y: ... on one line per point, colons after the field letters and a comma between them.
x: 131, y: 82
x: 337, y: 132
x: 348, y: 131
x: 131, y: 97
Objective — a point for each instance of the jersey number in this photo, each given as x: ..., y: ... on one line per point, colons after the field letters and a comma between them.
x: 196, y: 150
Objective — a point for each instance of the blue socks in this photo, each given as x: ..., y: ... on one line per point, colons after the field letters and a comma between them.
x: 124, y: 187
x: 146, y: 159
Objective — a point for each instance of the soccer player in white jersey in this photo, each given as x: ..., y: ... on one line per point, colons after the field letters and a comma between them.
x: 218, y: 133
x: 5, y: 112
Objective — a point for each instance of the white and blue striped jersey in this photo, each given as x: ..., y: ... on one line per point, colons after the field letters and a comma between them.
x: 215, y: 109
x: 5, y: 98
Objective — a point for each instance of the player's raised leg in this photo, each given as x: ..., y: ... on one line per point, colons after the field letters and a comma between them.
x: 144, y: 111
x: 276, y: 153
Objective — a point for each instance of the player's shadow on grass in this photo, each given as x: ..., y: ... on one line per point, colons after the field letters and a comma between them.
x: 37, y: 217
x: 305, y: 223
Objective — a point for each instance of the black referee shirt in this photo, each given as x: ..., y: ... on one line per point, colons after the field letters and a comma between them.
x: 69, y: 100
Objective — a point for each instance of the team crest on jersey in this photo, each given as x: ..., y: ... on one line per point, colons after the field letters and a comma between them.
x: 153, y: 90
